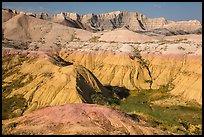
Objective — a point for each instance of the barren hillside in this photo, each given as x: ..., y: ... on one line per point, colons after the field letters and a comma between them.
x: 47, y: 81
x: 89, y: 119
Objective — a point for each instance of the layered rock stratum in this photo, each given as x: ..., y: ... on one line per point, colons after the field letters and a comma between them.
x: 53, y: 60
x: 109, y: 21
x: 47, y: 81
x: 113, y: 66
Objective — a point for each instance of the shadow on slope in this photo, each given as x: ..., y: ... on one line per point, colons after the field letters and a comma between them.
x: 57, y: 60
x: 121, y: 92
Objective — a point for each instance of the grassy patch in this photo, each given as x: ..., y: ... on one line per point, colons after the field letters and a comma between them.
x: 57, y: 60
x: 11, y: 65
x: 161, y: 116
x: 9, y: 105
x: 16, y: 84
x: 48, y: 75
x: 118, y: 92
x: 72, y: 37
x: 15, y: 44
x: 10, y: 62
x: 98, y: 98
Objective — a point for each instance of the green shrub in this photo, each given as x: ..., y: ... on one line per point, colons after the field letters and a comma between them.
x: 148, y: 81
x: 186, y: 124
x: 12, y: 125
x: 98, y: 98
x: 11, y: 104
x: 168, y: 87
x: 94, y: 39
x: 57, y: 60
x: 72, y: 37
x: 113, y: 101
x: 16, y: 84
x: 48, y: 74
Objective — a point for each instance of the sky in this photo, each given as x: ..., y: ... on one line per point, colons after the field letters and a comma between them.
x: 176, y: 11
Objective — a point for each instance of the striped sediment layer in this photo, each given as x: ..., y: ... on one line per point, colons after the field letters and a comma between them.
x: 183, y: 71
x: 152, y: 71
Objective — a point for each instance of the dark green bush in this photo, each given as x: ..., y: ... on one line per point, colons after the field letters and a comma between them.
x: 11, y: 104
x: 98, y: 98
x: 119, y: 92
x: 186, y: 124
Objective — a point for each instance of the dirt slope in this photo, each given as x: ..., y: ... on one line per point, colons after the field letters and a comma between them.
x: 42, y: 82
x: 183, y: 71
x: 116, y: 70
x: 40, y: 33
x: 7, y: 14
x: 120, y: 70
x: 120, y: 35
x: 88, y: 119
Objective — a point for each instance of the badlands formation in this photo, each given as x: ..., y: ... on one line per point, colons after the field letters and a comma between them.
x: 59, y: 66
x: 109, y: 21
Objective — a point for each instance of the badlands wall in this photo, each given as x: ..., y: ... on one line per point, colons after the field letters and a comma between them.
x: 118, y: 69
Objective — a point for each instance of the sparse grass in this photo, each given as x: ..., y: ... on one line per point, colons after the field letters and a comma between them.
x: 113, y: 42
x: 11, y: 104
x: 199, y: 45
x: 7, y: 73
x: 85, y: 45
x: 16, y: 84
x: 11, y: 64
x: 57, y: 60
x: 137, y: 53
x: 94, y: 39
x: 36, y: 47
x: 168, y: 117
x: 148, y: 81
x: 131, y: 43
x: 15, y: 44
x: 181, y: 48
x: 165, y: 88
x: 48, y: 74
x: 77, y: 39
x: 162, y: 43
x: 145, y: 63
x: 12, y: 125
x: 98, y: 98
x: 118, y: 92
x: 72, y: 37
x: 97, y: 49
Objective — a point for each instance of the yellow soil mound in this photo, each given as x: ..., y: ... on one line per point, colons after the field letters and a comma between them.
x: 183, y: 71
x: 51, y: 84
